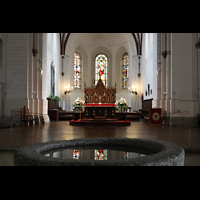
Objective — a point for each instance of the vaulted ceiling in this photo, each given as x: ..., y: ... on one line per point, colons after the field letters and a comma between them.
x: 137, y: 37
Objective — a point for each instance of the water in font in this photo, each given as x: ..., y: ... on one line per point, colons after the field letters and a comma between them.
x: 92, y: 154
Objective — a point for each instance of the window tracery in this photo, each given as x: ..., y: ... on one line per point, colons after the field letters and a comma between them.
x: 125, y: 70
x: 77, y: 70
x: 101, y: 68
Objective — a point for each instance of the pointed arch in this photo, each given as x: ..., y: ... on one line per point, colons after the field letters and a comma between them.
x: 138, y: 37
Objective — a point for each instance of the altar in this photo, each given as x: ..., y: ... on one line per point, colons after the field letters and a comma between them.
x: 100, y: 101
x: 100, y: 107
x: 100, y: 110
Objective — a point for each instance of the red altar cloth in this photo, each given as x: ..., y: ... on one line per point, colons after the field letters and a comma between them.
x: 100, y: 105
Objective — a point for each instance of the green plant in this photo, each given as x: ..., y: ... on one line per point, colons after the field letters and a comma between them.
x: 56, y: 98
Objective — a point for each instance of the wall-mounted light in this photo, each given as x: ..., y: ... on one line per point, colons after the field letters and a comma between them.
x: 68, y: 89
x: 41, y: 70
x: 133, y: 90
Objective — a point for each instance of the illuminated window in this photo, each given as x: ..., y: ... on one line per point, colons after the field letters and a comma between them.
x: 125, y: 71
x: 77, y: 70
x: 101, y: 65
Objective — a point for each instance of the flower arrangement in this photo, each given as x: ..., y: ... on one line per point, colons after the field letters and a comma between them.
x: 121, y: 102
x: 77, y: 102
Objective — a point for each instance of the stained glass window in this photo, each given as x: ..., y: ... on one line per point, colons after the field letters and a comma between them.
x: 77, y: 70
x: 101, y: 65
x: 125, y: 71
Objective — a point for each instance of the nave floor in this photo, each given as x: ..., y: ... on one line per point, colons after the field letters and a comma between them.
x: 27, y: 135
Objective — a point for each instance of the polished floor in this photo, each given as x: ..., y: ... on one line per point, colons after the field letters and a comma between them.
x: 27, y: 135
x: 13, y: 138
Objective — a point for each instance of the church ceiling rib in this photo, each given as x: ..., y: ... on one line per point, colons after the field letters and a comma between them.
x: 64, y: 37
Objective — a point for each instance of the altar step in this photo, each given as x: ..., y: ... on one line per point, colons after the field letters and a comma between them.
x: 68, y: 115
x: 100, y: 122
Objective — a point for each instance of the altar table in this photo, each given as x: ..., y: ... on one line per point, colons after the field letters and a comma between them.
x: 96, y: 110
x: 99, y: 105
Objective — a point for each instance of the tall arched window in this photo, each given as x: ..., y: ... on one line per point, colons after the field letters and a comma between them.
x: 125, y: 71
x: 101, y: 65
x: 77, y: 70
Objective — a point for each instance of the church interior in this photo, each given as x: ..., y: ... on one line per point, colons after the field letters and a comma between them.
x: 66, y: 81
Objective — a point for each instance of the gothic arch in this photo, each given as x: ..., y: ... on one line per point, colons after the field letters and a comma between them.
x: 137, y: 37
x: 81, y: 51
x: 121, y: 51
x: 102, y: 50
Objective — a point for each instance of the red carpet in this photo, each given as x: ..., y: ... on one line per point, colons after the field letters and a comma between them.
x: 100, y: 122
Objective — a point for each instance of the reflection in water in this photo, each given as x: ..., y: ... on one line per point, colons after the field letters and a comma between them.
x: 92, y: 154
x: 76, y: 154
x: 101, y: 154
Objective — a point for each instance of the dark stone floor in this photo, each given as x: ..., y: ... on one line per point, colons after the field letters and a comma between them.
x: 188, y: 138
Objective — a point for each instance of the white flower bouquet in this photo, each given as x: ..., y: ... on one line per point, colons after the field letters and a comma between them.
x: 77, y: 102
x: 121, y: 102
